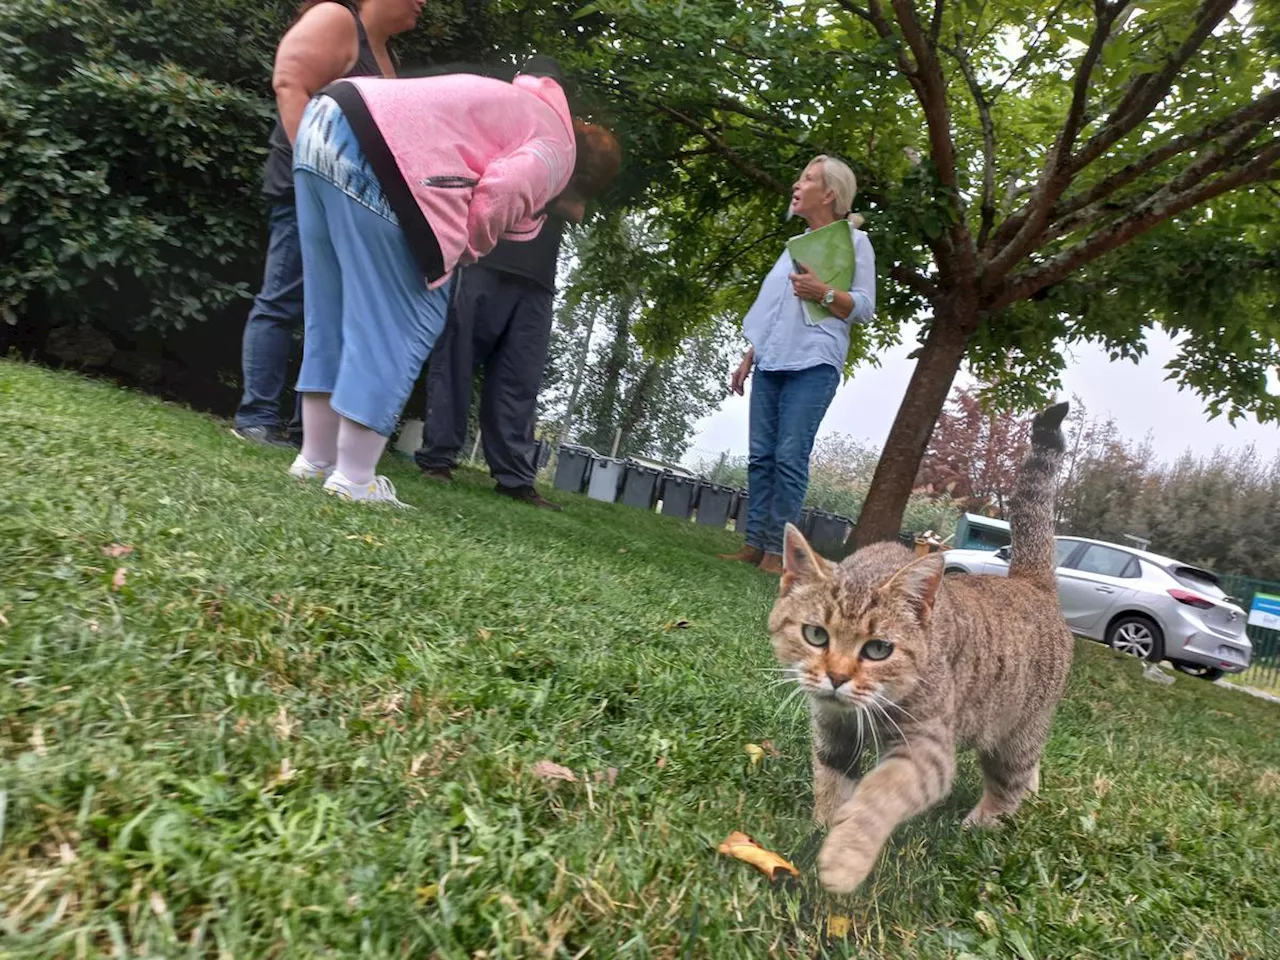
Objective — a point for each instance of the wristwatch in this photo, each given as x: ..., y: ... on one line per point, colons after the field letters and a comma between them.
x: 828, y: 298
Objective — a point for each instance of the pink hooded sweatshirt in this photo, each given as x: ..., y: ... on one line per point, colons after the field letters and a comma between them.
x: 464, y: 161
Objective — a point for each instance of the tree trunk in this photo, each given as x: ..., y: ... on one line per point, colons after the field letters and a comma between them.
x: 611, y: 375
x: 895, y: 476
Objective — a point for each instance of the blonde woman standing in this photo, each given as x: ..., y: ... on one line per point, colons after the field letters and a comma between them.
x: 796, y: 365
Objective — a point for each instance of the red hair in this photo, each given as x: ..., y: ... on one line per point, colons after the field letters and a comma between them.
x: 599, y: 159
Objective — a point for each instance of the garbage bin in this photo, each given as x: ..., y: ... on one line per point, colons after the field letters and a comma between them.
x: 740, y: 514
x: 805, y: 522
x: 573, y: 467
x: 828, y: 532
x: 606, y: 479
x: 541, y: 454
x: 714, y: 504
x: 679, y: 496
x: 640, y: 485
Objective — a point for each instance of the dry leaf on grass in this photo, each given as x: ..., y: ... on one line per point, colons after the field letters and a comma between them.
x: 741, y: 847
x: 769, y: 748
x: 553, y: 771
x: 118, y: 578
x: 600, y: 776
x: 837, y: 925
x: 116, y: 550
x: 755, y: 752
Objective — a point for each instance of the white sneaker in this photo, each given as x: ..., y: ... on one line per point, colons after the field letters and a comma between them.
x: 304, y: 469
x: 379, y: 490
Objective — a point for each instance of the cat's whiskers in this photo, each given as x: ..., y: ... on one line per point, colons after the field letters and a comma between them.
x: 885, y: 713
x: 897, y: 706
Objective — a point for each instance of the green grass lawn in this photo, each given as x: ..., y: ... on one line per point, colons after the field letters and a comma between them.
x: 299, y: 728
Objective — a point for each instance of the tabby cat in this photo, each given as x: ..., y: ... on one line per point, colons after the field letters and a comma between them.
x: 891, y: 653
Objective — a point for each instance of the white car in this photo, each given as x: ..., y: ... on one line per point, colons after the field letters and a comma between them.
x: 1137, y: 602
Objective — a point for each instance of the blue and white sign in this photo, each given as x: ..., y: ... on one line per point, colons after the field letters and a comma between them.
x: 1265, y: 611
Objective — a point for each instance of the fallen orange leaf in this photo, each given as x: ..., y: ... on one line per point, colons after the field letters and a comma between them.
x: 741, y: 847
x: 554, y: 771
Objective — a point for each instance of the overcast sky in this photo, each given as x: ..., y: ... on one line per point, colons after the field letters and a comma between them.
x: 1136, y: 395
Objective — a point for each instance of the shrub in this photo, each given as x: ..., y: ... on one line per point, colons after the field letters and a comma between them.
x: 129, y: 194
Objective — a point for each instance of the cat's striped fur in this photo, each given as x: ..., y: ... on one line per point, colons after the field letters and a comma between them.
x: 974, y: 662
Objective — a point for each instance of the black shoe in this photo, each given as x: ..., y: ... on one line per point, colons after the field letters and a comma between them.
x: 527, y: 495
x: 438, y: 474
x: 266, y: 437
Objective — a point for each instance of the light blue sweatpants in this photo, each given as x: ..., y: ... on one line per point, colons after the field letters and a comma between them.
x: 370, y: 320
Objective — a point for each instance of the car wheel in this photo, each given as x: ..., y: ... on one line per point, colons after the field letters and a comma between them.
x: 1137, y: 636
x: 956, y: 572
x: 1199, y: 670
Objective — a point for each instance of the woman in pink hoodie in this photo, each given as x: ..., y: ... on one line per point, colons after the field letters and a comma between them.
x: 397, y: 183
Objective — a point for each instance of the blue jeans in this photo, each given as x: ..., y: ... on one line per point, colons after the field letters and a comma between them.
x: 787, y: 408
x: 274, y: 319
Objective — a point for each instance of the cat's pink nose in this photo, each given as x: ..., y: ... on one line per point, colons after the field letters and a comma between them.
x: 837, y: 679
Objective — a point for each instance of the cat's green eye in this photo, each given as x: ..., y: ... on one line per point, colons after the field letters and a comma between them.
x: 815, y: 635
x: 876, y: 650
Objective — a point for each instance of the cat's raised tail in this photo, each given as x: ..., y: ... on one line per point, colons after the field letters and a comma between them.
x: 1032, y: 507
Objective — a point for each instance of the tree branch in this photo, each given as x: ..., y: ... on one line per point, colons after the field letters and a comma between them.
x: 931, y: 88
x: 722, y: 148
x: 1264, y: 110
x: 1022, y: 232
x: 1165, y: 203
x: 916, y: 281
x: 1105, y: 16
x: 935, y: 28
x: 988, y: 142
x: 1146, y: 91
x: 857, y: 11
x: 1032, y: 49
x: 1019, y: 234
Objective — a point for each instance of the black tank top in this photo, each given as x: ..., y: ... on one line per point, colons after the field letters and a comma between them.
x: 277, y: 175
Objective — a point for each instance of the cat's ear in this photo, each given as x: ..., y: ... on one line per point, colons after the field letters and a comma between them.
x: 799, y: 561
x: 917, y: 583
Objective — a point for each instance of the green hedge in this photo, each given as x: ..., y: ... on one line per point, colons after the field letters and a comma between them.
x: 129, y: 179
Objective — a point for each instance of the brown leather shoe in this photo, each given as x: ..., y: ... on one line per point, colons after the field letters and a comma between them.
x: 748, y: 554
x: 438, y: 474
x: 772, y: 563
x: 527, y: 495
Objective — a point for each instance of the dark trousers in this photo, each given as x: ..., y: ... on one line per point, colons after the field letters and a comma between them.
x: 275, y: 317
x: 503, y: 323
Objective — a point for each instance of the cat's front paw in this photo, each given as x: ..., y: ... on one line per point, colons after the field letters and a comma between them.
x: 844, y: 863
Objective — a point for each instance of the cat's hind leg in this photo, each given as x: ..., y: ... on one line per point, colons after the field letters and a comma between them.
x: 1009, y: 773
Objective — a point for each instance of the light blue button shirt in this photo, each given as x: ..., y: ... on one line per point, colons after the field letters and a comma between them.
x: 775, y: 324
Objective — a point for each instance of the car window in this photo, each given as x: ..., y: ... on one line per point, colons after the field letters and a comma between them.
x: 1062, y: 549
x: 1199, y: 581
x: 1107, y: 562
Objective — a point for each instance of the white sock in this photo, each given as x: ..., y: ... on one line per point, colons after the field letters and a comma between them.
x: 358, y: 450
x: 319, y: 430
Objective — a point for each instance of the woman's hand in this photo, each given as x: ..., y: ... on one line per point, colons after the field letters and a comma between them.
x: 806, y: 285
x: 738, y: 383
